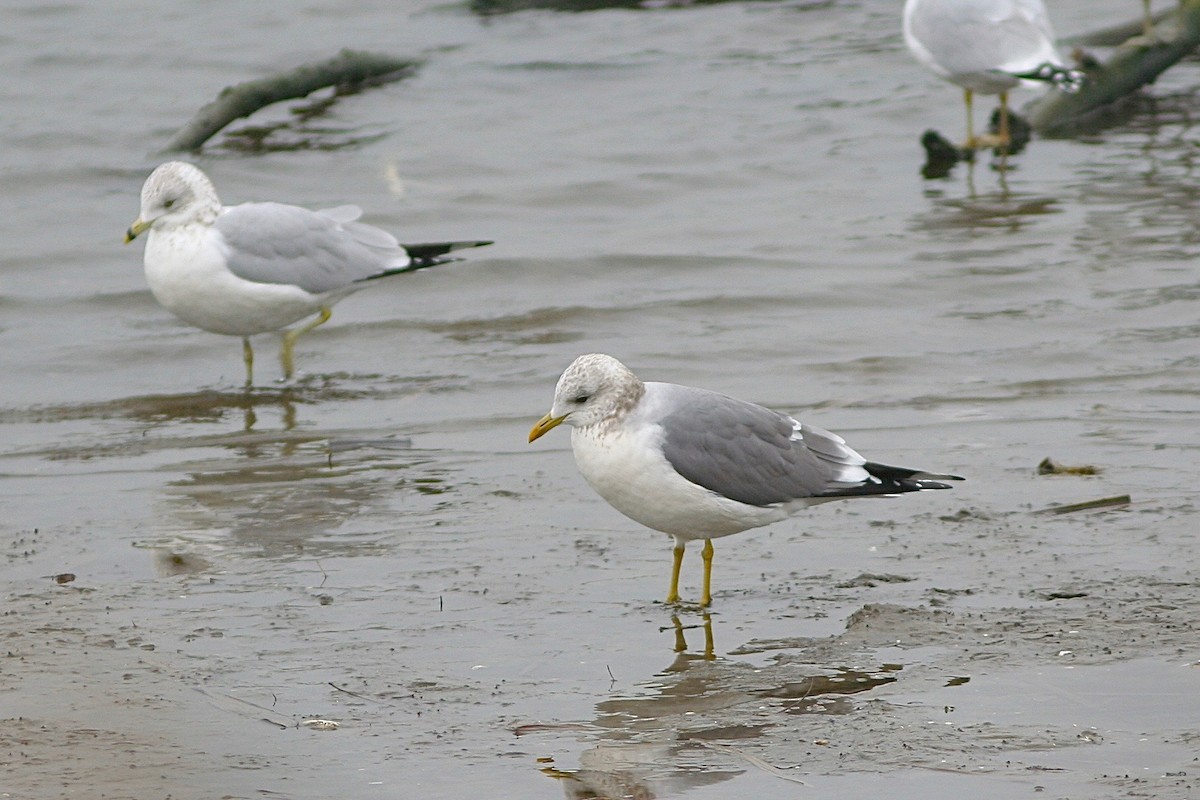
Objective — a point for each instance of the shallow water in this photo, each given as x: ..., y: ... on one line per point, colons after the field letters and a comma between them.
x: 725, y: 195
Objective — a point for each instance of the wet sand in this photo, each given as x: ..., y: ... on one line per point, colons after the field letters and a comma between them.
x: 367, y: 584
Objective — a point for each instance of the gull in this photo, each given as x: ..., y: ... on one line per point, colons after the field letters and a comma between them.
x: 986, y: 47
x: 259, y: 267
x: 695, y: 464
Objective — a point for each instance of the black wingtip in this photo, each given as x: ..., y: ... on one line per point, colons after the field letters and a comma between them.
x: 921, y: 486
x: 431, y: 254
x: 1069, y: 80
x: 887, y: 472
x: 429, y: 250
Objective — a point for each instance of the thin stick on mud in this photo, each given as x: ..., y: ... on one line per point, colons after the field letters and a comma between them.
x: 1089, y: 505
x: 1135, y: 64
x: 751, y: 759
x: 352, y: 694
x: 347, y: 68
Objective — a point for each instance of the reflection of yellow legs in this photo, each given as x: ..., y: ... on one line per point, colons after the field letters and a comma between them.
x: 681, y: 642
x: 290, y: 337
x: 248, y: 358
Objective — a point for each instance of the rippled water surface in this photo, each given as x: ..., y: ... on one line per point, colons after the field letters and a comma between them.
x: 724, y: 195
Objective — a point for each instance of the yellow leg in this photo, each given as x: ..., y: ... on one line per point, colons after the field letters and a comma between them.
x: 673, y: 594
x: 1147, y: 20
x: 290, y: 337
x: 1005, y: 135
x: 707, y: 554
x: 968, y: 98
x: 248, y: 358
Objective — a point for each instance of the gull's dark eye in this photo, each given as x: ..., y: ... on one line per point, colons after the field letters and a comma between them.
x: 168, y: 203
x: 580, y: 399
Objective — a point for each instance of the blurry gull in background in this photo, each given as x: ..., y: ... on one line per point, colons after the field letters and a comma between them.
x: 258, y: 267
x: 986, y: 47
x: 699, y: 465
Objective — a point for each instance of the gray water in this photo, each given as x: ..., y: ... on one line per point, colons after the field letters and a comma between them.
x: 723, y: 195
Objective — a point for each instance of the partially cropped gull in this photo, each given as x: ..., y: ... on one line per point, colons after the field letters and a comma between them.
x: 986, y: 47
x: 259, y: 267
x: 699, y: 465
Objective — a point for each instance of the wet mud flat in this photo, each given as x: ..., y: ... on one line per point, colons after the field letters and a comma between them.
x: 366, y: 584
x: 440, y: 636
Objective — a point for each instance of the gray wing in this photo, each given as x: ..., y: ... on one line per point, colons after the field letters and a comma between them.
x: 752, y: 454
x: 319, y: 251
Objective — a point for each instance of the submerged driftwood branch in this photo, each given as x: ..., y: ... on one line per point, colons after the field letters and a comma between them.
x: 347, y: 68
x: 1117, y: 34
x: 1134, y: 64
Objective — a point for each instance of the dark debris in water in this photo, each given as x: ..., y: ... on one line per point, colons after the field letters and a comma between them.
x: 869, y: 579
x: 845, y: 682
x: 964, y: 515
x: 1063, y: 595
x: 941, y: 155
x: 347, y: 72
x: 297, y: 133
x: 1051, y: 467
x: 168, y: 563
x: 488, y: 8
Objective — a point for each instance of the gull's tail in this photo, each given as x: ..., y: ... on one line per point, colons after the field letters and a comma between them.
x: 429, y: 254
x: 894, y: 480
x: 1069, y: 80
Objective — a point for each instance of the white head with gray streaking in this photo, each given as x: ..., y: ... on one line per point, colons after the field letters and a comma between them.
x: 176, y: 193
x: 594, y: 389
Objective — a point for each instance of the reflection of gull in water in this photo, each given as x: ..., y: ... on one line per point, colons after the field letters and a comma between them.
x: 258, y: 267
x: 698, y: 465
x: 658, y: 745
x: 986, y: 47
x: 284, y: 495
x: 705, y: 719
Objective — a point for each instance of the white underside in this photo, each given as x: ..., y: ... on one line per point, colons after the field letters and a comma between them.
x: 627, y: 468
x: 977, y: 44
x: 187, y: 275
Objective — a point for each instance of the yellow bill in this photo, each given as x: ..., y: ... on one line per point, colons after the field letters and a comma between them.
x: 135, y: 230
x: 545, y: 424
